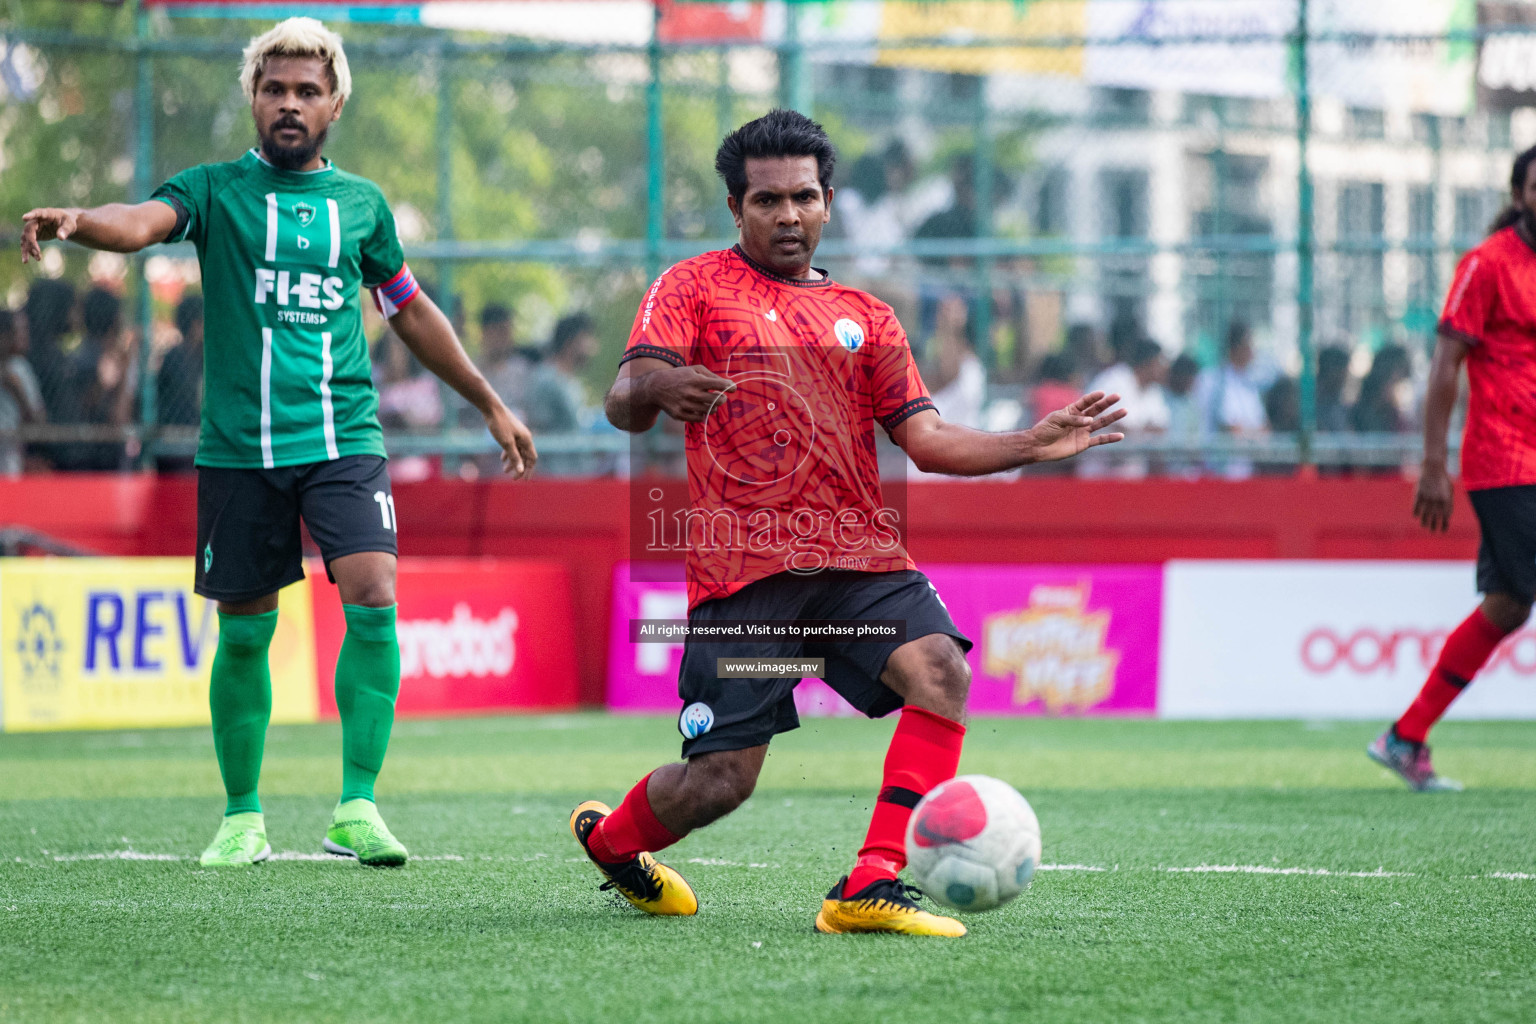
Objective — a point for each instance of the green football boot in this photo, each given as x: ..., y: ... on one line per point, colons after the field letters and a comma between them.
x: 358, y: 831
x: 241, y: 841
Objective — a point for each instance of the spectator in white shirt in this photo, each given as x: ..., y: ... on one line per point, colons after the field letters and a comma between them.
x: 959, y: 380
x: 1230, y: 400
x: 1138, y: 380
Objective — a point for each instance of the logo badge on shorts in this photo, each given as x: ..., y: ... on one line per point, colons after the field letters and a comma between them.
x: 305, y: 213
x: 208, y: 557
x: 696, y: 720
x: 849, y: 334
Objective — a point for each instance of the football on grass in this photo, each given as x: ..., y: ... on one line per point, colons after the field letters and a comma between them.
x: 973, y: 843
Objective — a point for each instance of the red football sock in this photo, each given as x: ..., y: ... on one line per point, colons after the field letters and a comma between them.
x: 924, y: 752
x: 1465, y: 651
x: 632, y: 828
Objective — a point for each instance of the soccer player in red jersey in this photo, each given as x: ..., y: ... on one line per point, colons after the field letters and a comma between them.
x: 1490, y: 325
x: 780, y: 375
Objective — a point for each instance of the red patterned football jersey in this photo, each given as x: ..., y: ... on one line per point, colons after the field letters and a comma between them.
x: 1492, y: 307
x: 782, y: 473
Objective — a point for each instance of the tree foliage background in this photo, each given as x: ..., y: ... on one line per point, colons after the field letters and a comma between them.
x: 542, y: 146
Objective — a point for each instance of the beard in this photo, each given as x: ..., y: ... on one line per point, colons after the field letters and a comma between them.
x: 290, y: 158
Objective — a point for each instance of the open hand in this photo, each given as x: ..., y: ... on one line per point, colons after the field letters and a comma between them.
x: 518, y: 456
x: 1075, y: 429
x: 43, y: 224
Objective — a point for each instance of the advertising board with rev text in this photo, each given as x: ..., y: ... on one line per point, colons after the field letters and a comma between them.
x: 119, y: 643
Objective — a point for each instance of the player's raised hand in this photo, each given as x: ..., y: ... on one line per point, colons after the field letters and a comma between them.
x: 42, y: 225
x: 1075, y: 429
x: 686, y: 393
x: 518, y: 456
x: 1433, y: 499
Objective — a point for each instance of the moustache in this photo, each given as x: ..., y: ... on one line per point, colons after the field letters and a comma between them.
x: 289, y: 122
x: 788, y: 236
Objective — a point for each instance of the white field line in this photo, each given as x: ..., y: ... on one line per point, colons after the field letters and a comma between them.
x: 285, y: 855
x: 118, y: 855
x: 1265, y: 869
x: 1199, y: 869
x: 716, y: 862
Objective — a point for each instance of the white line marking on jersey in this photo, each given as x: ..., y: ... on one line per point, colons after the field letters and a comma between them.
x: 327, y: 411
x: 335, y: 215
x: 271, y: 227
x: 266, y: 395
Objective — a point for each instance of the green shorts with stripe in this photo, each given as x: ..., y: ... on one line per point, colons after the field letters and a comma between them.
x: 248, y: 539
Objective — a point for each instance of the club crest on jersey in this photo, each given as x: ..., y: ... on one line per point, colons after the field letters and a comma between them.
x: 305, y: 213
x: 849, y: 334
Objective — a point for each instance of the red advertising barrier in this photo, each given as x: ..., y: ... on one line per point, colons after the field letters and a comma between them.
x: 584, y: 524
x: 475, y: 635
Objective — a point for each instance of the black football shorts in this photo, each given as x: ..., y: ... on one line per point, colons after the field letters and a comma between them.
x: 737, y: 713
x: 1506, y: 561
x: 248, y: 541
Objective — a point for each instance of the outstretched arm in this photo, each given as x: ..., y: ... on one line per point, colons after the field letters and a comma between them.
x: 116, y: 227
x: 427, y: 333
x: 935, y: 446
x: 1434, y: 496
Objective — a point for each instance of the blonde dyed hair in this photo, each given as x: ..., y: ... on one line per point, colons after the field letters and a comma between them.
x: 296, y: 37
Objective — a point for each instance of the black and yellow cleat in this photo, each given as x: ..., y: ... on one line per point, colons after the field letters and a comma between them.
x: 883, y: 906
x: 643, y: 880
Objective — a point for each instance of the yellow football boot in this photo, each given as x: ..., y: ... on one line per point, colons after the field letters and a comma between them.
x: 643, y: 880
x: 883, y: 906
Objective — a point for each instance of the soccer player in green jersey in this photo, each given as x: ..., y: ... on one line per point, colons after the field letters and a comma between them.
x: 287, y: 241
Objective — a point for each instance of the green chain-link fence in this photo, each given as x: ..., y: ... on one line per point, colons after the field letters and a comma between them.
x: 1035, y: 187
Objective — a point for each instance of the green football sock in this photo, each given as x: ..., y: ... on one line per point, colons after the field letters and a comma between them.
x: 240, y: 697
x: 367, y: 682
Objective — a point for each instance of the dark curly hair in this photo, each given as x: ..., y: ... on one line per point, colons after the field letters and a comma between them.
x: 1511, y: 213
x: 777, y: 133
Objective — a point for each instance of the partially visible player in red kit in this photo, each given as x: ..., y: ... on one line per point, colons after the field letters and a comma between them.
x: 781, y: 376
x: 1490, y: 325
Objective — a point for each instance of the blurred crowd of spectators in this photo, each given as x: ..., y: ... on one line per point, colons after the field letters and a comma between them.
x: 1012, y: 373
x: 992, y: 348
x: 69, y: 360
x: 541, y: 384
x: 71, y: 363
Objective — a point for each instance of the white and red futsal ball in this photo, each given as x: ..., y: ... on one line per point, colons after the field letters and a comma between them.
x: 973, y: 843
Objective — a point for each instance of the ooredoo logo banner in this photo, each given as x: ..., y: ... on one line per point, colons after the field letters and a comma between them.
x: 1325, y: 639
x: 475, y: 635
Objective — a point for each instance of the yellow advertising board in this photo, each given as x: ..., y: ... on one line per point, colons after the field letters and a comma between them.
x: 112, y: 643
x: 1029, y: 34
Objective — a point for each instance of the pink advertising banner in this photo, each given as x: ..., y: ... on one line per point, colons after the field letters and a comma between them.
x: 1049, y: 640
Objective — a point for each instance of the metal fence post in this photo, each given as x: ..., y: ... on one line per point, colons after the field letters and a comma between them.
x: 725, y: 122
x: 982, y: 169
x: 1305, y: 244
x: 794, y: 83
x: 143, y: 184
x: 445, y: 268
x: 655, y: 154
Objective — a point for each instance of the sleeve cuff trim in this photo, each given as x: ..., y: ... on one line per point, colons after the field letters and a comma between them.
x: 651, y: 352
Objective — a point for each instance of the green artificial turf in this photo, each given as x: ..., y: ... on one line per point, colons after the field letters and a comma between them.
x: 1344, y: 897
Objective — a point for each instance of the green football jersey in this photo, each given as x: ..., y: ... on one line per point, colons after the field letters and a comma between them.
x: 285, y: 256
